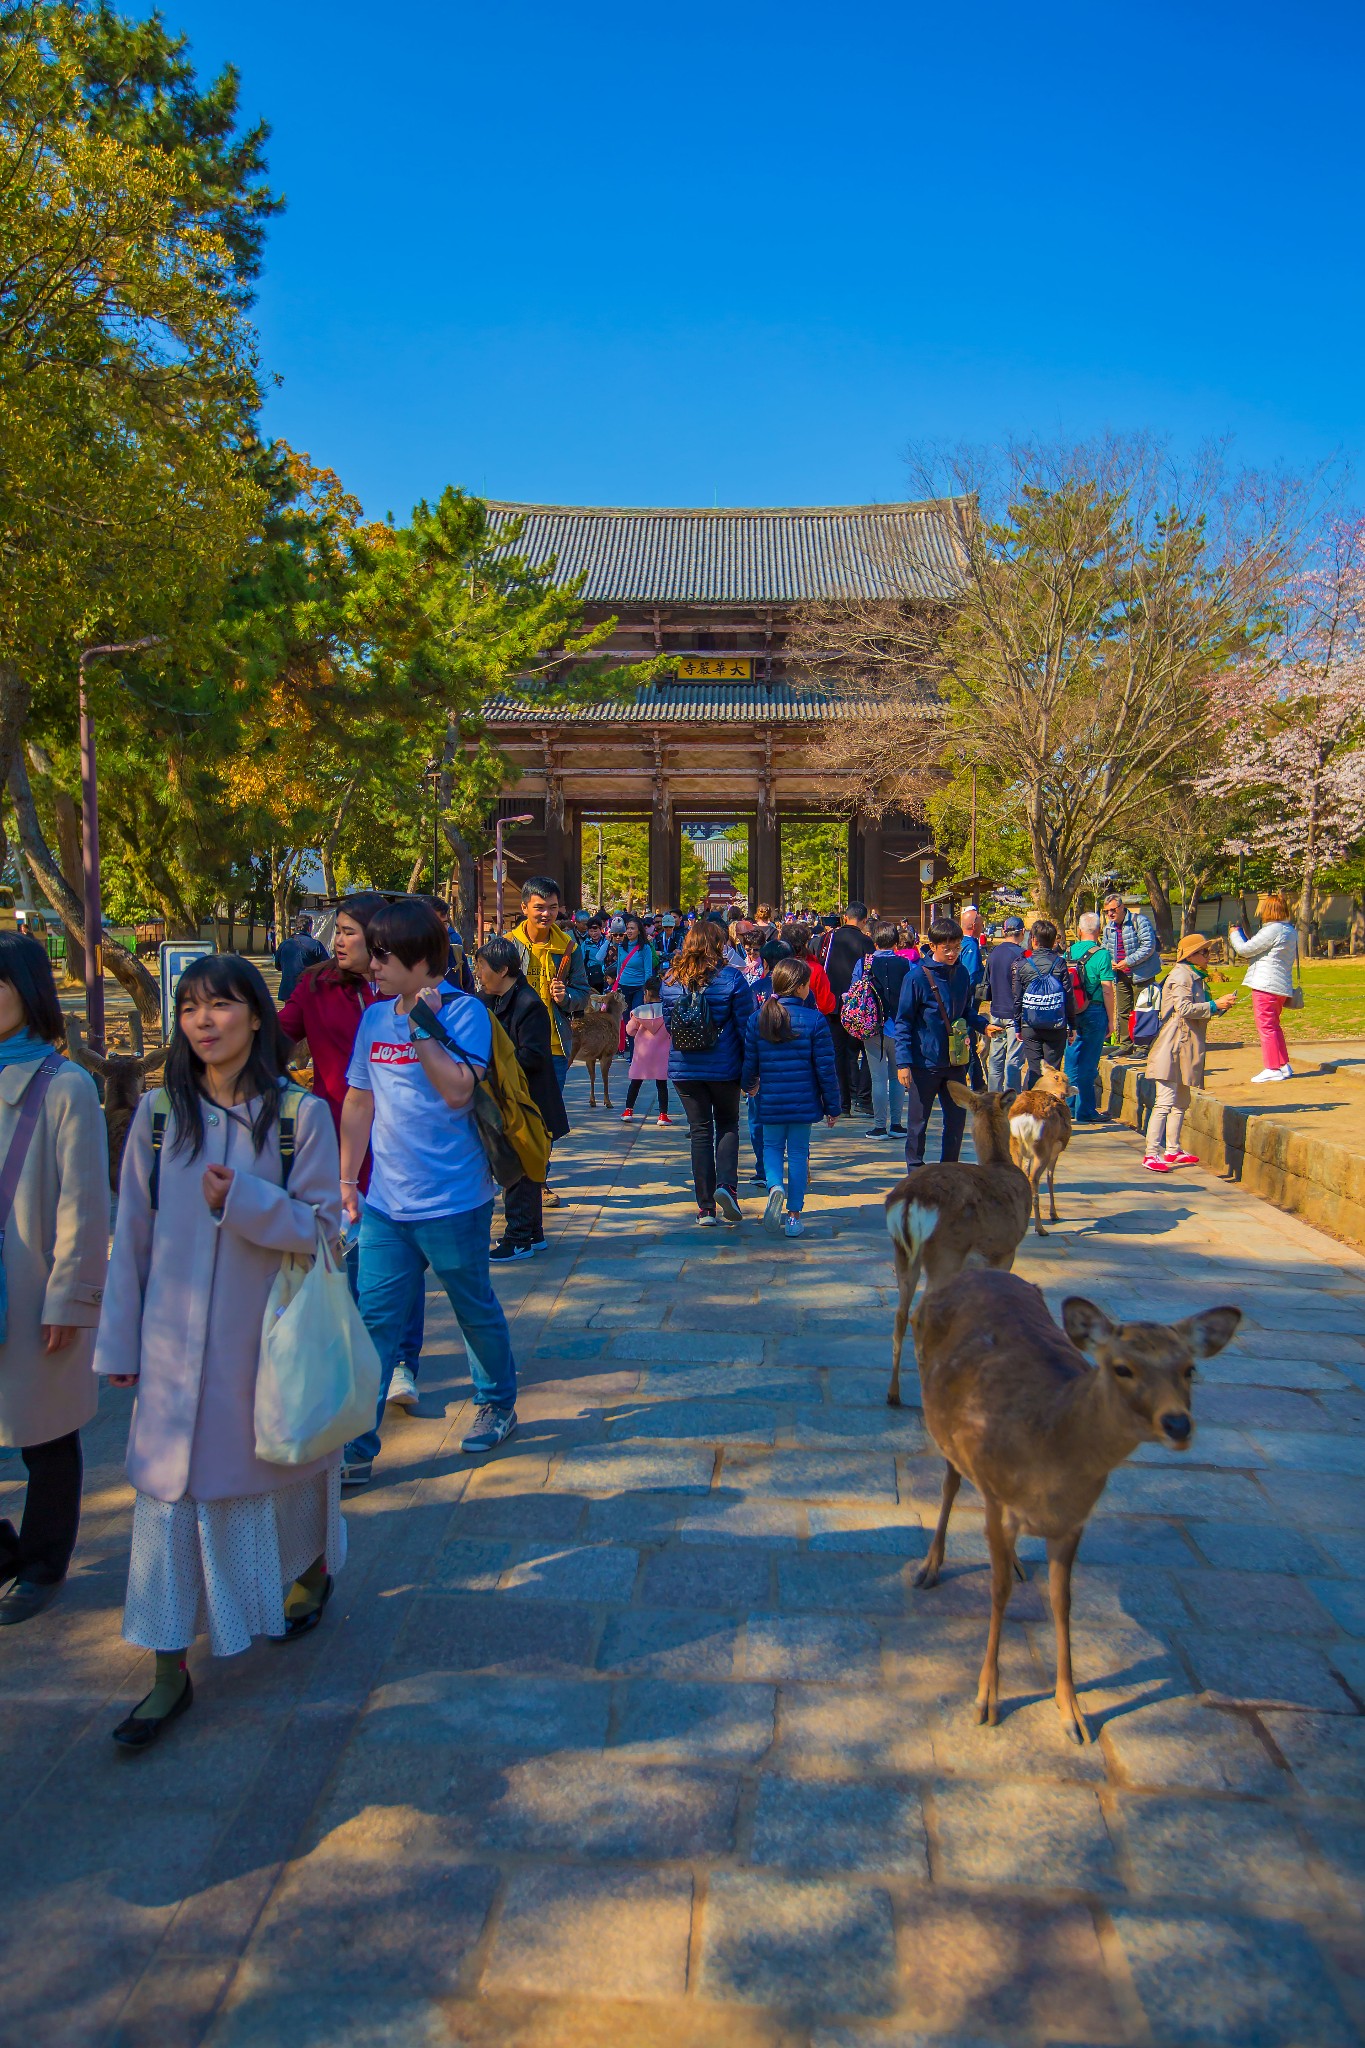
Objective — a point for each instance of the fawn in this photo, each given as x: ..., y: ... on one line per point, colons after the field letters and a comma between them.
x: 597, y: 1040
x: 942, y: 1218
x: 1040, y: 1131
x: 1013, y: 1405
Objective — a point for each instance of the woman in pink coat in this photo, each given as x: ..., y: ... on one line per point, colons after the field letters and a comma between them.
x: 650, y: 1045
x: 220, y: 1540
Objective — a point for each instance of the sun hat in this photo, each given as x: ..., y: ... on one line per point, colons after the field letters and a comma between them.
x: 1192, y: 943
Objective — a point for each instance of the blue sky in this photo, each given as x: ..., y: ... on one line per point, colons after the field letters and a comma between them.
x: 748, y: 253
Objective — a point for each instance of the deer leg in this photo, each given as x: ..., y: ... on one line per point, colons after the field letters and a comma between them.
x: 928, y: 1573
x: 606, y: 1084
x: 1002, y: 1553
x: 1061, y: 1555
x: 907, y: 1279
x: 1036, y: 1177
x: 1052, y: 1192
x: 592, y: 1084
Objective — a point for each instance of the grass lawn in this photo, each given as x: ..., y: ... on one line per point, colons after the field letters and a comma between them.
x: 1333, y: 1005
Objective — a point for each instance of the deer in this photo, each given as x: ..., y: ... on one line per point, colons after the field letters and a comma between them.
x: 123, y: 1080
x: 1040, y: 1131
x: 1013, y: 1404
x: 597, y: 1041
x: 943, y: 1218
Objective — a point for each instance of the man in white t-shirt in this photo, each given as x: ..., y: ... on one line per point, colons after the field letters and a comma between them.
x: 430, y: 1200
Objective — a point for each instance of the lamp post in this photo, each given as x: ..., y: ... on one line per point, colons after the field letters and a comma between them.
x: 90, y: 845
x: 524, y: 819
x: 601, y: 868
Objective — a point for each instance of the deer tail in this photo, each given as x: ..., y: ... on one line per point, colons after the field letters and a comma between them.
x: 910, y: 1225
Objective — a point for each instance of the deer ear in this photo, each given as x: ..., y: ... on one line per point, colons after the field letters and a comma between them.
x: 1210, y: 1331
x: 1085, y: 1324
x: 963, y: 1097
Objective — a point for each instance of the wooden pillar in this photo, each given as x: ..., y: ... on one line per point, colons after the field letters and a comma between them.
x: 767, y: 875
x: 555, y: 842
x: 870, y: 833
x: 662, y: 881
x: 571, y: 855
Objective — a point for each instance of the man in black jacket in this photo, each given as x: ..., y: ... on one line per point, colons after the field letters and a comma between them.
x: 1044, y: 1001
x: 526, y: 1021
x: 848, y: 946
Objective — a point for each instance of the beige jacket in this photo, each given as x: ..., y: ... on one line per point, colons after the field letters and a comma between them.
x: 1178, y: 1054
x: 187, y: 1294
x: 56, y: 1251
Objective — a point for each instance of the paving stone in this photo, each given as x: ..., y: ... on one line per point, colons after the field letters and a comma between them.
x: 1272, y: 1671
x: 484, y: 1632
x: 323, y: 2017
x: 1027, y: 1833
x: 650, y: 1643
x: 1218, y: 1982
x: 1320, y: 1500
x: 1314, y: 1450
x: 1348, y: 1658
x: 810, y: 1475
x: 1326, y: 1752
x: 636, y: 1518
x: 625, y: 1468
x: 1256, y: 1600
x: 1224, y: 1496
x: 716, y: 1347
x: 489, y: 1716
x: 798, y: 1944
x: 810, y: 1646
x: 1344, y: 1551
x: 811, y: 1824
x: 1258, y: 1408
x: 853, y: 1584
x: 591, y: 1805
x: 1127, y: 1541
x: 837, y: 1730
x: 1226, y: 1448
x: 1175, y: 1741
x: 1027, y: 1741
x: 1238, y: 1854
x: 524, y: 1518
x: 1116, y: 1597
x: 728, y: 1517
x: 1256, y: 1547
x: 896, y: 1532
x: 936, y: 1655
x: 661, y: 1718
x: 715, y: 1421
x: 595, y: 1571
x: 734, y: 1578
x: 674, y: 1380
x: 1345, y: 1603
x: 998, y: 1969
x: 464, y: 1566
x: 835, y: 1424
x: 1339, y: 1843
x: 611, y: 1935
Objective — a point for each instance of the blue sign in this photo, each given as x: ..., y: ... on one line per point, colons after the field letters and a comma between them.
x: 176, y: 956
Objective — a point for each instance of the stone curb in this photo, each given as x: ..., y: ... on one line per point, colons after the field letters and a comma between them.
x: 1321, y: 1182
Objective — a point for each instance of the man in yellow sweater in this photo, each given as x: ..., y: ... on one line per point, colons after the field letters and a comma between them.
x: 553, y: 963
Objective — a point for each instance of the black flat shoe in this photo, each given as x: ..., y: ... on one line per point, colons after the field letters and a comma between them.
x: 304, y: 1624
x: 25, y: 1598
x: 135, y: 1734
x: 9, y: 1550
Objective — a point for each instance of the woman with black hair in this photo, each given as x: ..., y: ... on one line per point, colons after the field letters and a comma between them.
x: 54, y: 1228
x: 226, y: 1170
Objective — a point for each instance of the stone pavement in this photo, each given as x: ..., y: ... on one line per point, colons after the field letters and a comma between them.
x: 639, y: 1734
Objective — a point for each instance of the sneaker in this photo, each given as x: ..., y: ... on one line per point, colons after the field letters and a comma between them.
x: 1286, y: 1073
x: 663, y: 1118
x: 758, y: 1180
x: 356, y: 1475
x: 793, y: 1227
x: 492, y: 1426
x: 899, y: 1131
x: 707, y: 1218
x: 730, y: 1211
x: 539, y: 1244
x: 773, y: 1211
x: 876, y: 1130
x: 1182, y: 1159
x: 1266, y: 1074
x: 403, y: 1388
x: 1155, y: 1165
x: 627, y: 1116
x: 503, y: 1250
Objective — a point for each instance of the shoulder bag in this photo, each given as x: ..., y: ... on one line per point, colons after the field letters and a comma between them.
x: 317, y: 1377
x: 959, y: 1037
x: 1296, y: 981
x: 30, y: 1102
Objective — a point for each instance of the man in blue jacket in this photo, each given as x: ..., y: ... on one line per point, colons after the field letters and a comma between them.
x: 936, y: 994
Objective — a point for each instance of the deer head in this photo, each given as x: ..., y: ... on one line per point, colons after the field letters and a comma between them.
x: 1148, y: 1368
x: 990, y: 1122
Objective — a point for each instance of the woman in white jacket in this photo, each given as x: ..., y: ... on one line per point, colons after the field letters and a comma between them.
x: 1271, y: 980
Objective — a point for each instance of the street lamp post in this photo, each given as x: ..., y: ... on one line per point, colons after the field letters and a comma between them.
x: 90, y: 846
x: 601, y: 869
x: 524, y: 819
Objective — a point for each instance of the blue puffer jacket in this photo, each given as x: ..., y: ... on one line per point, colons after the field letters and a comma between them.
x: 921, y: 1035
x: 732, y: 1005
x: 798, y: 1082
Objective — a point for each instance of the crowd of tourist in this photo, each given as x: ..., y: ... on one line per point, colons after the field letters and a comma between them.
x: 231, y: 1169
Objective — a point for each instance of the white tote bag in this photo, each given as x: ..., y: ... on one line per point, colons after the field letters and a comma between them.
x: 317, y: 1383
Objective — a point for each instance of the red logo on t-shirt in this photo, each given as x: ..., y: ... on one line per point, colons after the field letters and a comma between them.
x: 385, y: 1055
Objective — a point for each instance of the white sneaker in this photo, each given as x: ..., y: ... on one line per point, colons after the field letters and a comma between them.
x: 403, y: 1388
x: 1267, y: 1074
x: 793, y: 1227
x: 1285, y: 1074
x: 772, y: 1212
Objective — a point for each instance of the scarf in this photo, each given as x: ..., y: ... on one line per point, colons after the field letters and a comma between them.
x: 549, y: 959
x: 23, y: 1047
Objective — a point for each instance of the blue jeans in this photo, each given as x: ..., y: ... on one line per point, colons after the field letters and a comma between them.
x: 888, y: 1096
x: 794, y: 1139
x: 393, y: 1258
x: 756, y: 1135
x: 415, y: 1329
x: 1082, y: 1061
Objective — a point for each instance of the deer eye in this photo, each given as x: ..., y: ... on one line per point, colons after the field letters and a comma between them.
x: 1123, y: 1372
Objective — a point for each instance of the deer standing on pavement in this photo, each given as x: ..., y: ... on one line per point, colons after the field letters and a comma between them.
x: 597, y: 1041
x: 942, y: 1218
x: 1015, y: 1407
x: 1040, y: 1131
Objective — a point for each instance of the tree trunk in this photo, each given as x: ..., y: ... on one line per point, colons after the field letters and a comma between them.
x: 15, y: 697
x: 415, y: 878
x: 1159, y: 898
x: 70, y: 848
x: 1190, y: 902
x: 327, y: 851
x: 127, y: 971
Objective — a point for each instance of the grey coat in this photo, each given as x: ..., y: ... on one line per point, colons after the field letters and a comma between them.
x: 1179, y: 1051
x: 56, y: 1250
x: 187, y: 1294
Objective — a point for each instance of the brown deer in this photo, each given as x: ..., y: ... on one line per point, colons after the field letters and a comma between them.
x: 123, y: 1082
x: 1040, y: 1131
x: 1013, y: 1406
x: 942, y: 1218
x: 596, y: 1041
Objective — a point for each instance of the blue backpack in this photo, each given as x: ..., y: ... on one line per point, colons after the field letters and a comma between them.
x: 1044, y: 1003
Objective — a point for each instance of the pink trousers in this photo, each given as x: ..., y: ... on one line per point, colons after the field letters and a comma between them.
x: 1265, y: 1009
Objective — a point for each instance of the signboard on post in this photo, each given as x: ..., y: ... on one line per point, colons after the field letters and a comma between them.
x: 176, y: 955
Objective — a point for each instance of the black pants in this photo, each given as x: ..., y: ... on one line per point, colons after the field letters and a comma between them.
x: 1041, y: 1049
x: 52, y: 1511
x: 927, y: 1086
x: 633, y: 1092
x: 855, y: 1080
x: 522, y: 1212
x: 713, y: 1125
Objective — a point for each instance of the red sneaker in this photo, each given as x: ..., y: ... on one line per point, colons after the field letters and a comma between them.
x: 1182, y: 1159
x: 1155, y: 1165
x: 627, y: 1115
x: 663, y: 1119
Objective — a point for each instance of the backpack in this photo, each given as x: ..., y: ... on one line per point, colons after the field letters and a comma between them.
x: 511, y: 1129
x: 288, y: 1125
x: 692, y: 1022
x: 1144, y: 1024
x: 860, y: 1012
x: 1044, y: 1002
x: 1076, y: 969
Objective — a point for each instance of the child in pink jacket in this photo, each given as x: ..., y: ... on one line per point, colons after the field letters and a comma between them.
x: 649, y: 1055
